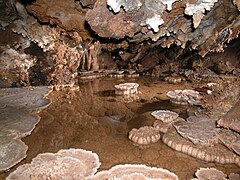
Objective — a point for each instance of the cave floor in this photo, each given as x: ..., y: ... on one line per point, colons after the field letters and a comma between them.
x: 93, y: 118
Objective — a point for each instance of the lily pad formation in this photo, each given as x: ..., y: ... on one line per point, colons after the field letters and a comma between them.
x: 215, y: 153
x: 185, y: 97
x: 83, y: 164
x: 65, y: 164
x: 135, y: 171
x: 212, y: 173
x: 165, y: 115
x: 165, y: 118
x: 126, y: 88
x: 144, y: 135
x: 199, y: 130
x: 18, y: 108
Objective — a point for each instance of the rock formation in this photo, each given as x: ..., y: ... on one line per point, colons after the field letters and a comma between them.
x: 126, y: 88
x: 135, y: 171
x: 216, y: 153
x: 184, y: 97
x: 231, y: 119
x: 212, y: 173
x: 144, y: 135
x: 165, y: 22
x: 230, y: 139
x: 199, y: 130
x: 65, y: 164
x: 17, y: 108
x: 165, y: 115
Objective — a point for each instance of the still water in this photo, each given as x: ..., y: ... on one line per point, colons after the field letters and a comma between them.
x: 93, y: 118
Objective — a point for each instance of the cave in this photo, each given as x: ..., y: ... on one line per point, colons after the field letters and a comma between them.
x: 117, y: 89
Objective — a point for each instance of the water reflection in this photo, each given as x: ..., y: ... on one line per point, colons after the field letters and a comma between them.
x: 93, y: 118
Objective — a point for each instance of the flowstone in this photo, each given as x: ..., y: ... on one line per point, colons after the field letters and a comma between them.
x: 18, y: 107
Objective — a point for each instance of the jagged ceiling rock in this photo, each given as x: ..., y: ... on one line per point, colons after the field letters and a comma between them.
x: 116, y: 5
x: 106, y: 24
x: 63, y: 13
x: 237, y: 3
x: 197, y: 9
x: 214, y: 22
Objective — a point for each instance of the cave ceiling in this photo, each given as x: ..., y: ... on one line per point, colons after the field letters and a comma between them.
x: 204, y: 24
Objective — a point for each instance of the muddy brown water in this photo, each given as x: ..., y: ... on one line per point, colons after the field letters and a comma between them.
x: 93, y: 118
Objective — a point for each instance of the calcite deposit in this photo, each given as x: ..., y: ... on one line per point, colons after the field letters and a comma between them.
x: 164, y: 126
x: 231, y: 119
x: 210, y: 173
x: 198, y: 9
x: 18, y: 107
x: 15, y: 65
x: 185, y: 97
x: 126, y: 88
x: 65, y: 164
x: 144, y: 135
x: 165, y: 116
x: 215, y: 153
x: 135, y: 171
x: 230, y: 139
x: 199, y: 130
x: 167, y: 22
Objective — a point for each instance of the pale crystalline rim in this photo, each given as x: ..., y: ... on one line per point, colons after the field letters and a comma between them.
x: 165, y: 114
x: 126, y: 86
